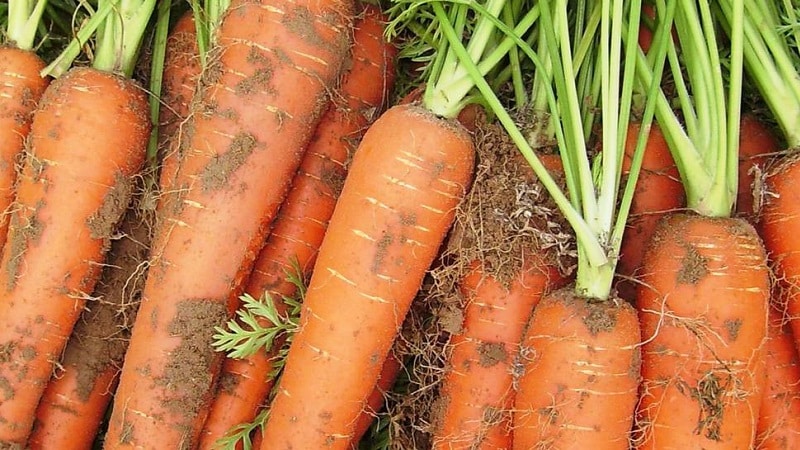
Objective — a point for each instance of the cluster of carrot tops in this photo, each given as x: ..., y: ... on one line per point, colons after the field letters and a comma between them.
x: 329, y: 224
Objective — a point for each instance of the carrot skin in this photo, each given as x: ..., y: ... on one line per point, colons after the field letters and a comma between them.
x: 408, y: 175
x: 20, y: 90
x: 375, y: 402
x: 578, y: 388
x: 703, y: 309
x: 303, y: 218
x: 74, y: 187
x: 260, y: 104
x: 779, y: 415
x: 477, y: 390
x: 181, y: 73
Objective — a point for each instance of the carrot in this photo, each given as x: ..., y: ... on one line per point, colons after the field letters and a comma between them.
x: 181, y: 72
x: 76, y: 398
x: 779, y: 415
x: 303, y: 218
x: 756, y: 143
x: 703, y: 300
x: 392, y: 366
x: 478, y: 390
x: 408, y: 174
x: 74, y: 186
x: 658, y: 192
x: 263, y: 93
x: 21, y: 86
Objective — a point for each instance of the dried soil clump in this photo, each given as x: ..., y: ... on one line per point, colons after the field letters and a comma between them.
x: 506, y: 215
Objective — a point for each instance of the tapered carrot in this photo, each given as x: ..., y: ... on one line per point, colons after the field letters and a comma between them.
x: 478, y: 389
x: 76, y: 398
x: 181, y: 73
x: 408, y: 175
x: 779, y: 415
x: 74, y: 186
x: 303, y: 218
x: 703, y: 310
x: 658, y: 191
x: 21, y: 86
x: 392, y: 366
x: 263, y: 95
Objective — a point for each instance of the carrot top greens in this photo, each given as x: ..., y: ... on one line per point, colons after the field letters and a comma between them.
x: 23, y: 20
x: 771, y: 42
x: 705, y: 142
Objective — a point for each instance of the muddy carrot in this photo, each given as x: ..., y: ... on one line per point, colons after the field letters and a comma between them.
x: 74, y: 186
x: 302, y: 220
x: 21, y: 86
x: 262, y: 97
x: 375, y: 402
x: 757, y: 144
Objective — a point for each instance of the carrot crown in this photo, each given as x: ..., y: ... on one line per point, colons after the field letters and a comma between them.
x: 23, y: 19
x: 705, y: 143
x: 118, y: 27
x: 771, y: 42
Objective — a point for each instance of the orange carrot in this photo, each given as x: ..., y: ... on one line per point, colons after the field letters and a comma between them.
x: 389, y: 372
x: 74, y: 186
x: 658, y: 192
x: 262, y: 97
x: 74, y: 402
x: 409, y: 173
x: 302, y: 220
x: 703, y: 310
x: 590, y: 354
x: 779, y: 416
x: 181, y: 72
x: 478, y: 388
x: 20, y: 90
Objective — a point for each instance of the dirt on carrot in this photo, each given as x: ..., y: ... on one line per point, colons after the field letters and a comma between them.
x: 506, y: 212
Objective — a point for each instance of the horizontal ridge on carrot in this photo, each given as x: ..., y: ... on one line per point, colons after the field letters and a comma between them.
x: 302, y: 220
x: 262, y: 96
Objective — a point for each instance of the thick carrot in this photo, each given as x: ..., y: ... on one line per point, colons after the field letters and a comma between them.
x: 74, y: 186
x: 477, y: 390
x: 262, y: 97
x: 20, y: 90
x: 703, y: 310
x: 303, y: 218
x: 756, y: 143
x: 75, y: 401
x: 779, y: 416
x: 581, y: 374
x: 409, y: 173
x: 658, y: 192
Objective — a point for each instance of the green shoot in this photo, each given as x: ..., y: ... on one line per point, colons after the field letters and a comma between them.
x: 240, y: 434
x: 118, y: 27
x: 156, y: 78
x: 23, y: 21
x: 771, y: 58
x: 705, y: 145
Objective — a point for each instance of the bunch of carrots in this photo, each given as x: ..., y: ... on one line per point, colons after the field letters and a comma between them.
x: 399, y: 224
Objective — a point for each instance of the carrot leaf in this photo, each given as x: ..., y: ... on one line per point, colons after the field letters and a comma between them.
x: 244, y: 334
